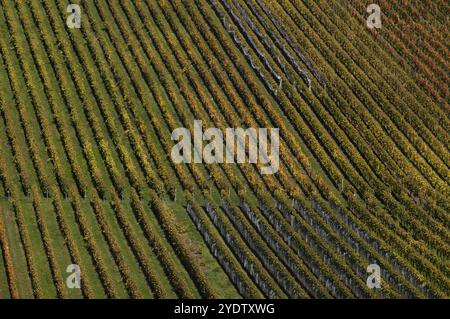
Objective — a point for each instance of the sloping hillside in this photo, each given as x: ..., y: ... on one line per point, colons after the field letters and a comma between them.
x: 89, y: 117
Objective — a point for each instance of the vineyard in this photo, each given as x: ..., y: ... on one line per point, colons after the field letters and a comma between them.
x: 87, y: 179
